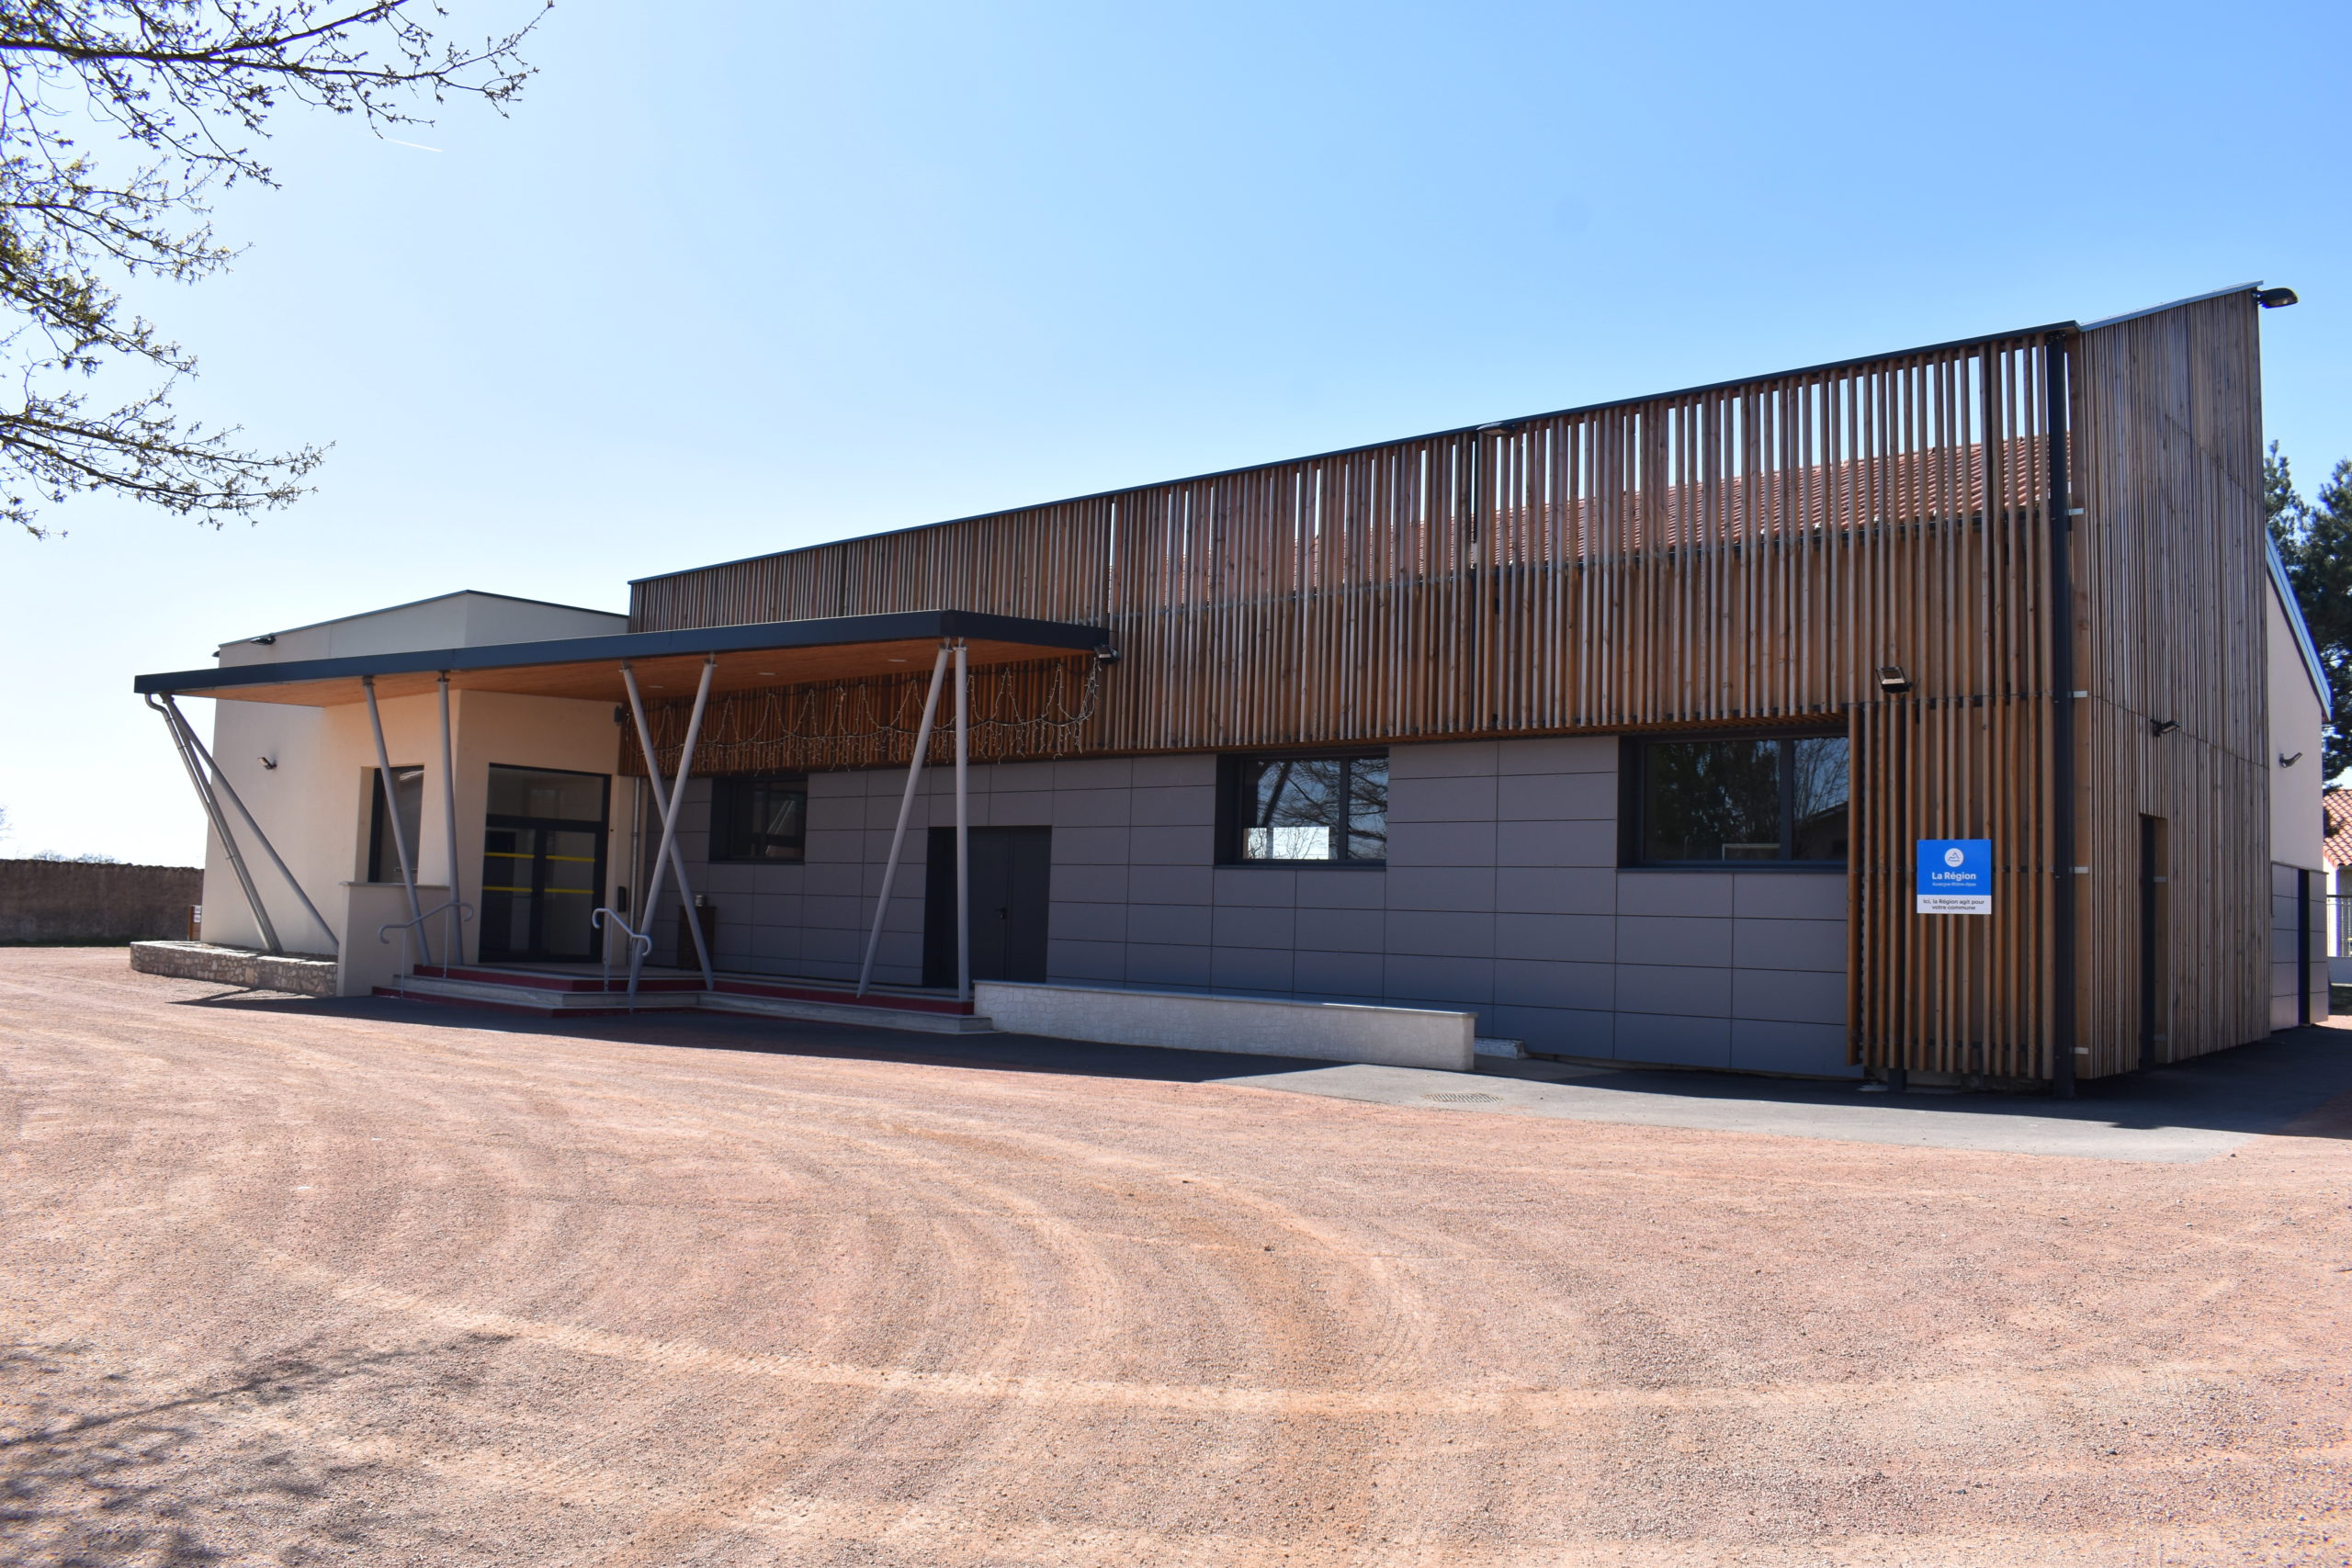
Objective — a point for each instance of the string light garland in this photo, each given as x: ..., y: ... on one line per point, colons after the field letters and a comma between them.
x: 1018, y: 712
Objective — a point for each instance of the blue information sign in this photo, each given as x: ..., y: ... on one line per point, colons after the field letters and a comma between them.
x: 1955, y: 876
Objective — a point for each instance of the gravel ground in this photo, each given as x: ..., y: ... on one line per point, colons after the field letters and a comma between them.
x: 297, y: 1283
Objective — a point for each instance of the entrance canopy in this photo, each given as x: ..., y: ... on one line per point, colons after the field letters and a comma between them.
x: 769, y: 653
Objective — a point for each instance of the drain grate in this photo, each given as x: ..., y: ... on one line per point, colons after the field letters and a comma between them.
x: 1471, y: 1099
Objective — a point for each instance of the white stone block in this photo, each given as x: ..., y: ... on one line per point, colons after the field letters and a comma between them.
x: 1262, y: 1026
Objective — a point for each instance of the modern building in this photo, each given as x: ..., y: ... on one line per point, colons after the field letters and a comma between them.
x: 1943, y: 711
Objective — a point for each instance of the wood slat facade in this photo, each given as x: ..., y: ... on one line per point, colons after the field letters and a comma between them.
x: 1745, y: 554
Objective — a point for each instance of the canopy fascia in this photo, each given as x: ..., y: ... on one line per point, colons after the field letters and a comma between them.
x: 767, y: 653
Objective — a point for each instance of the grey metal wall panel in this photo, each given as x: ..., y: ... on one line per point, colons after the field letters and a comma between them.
x: 1585, y: 938
x: 1682, y: 990
x: 1701, y: 939
x: 1767, y: 943
x: 1502, y: 894
x: 1682, y: 1041
x: 1675, y: 893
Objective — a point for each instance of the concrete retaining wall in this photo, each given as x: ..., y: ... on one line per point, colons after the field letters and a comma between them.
x: 70, y: 901
x: 1263, y: 1026
x: 236, y: 967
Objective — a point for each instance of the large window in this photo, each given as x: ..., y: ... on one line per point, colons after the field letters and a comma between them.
x: 383, y: 850
x: 1328, y: 809
x: 762, y: 818
x: 1767, y: 800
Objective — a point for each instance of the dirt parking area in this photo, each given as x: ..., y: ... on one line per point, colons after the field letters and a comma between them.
x: 288, y: 1281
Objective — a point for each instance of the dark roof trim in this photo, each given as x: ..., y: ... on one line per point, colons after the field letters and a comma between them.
x: 761, y: 635
x: 436, y: 599
x: 1822, y: 369
x: 2171, y: 305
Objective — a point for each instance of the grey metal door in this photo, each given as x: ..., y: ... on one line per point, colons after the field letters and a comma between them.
x: 1011, y: 902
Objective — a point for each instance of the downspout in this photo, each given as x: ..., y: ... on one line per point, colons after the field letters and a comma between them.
x: 2061, y: 726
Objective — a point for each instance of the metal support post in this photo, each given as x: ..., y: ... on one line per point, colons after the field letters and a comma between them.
x: 392, y: 816
x: 694, y: 923
x: 220, y: 827
x: 221, y: 785
x: 963, y: 832
x: 2063, y: 970
x: 906, y: 809
x: 455, y: 929
x: 667, y: 801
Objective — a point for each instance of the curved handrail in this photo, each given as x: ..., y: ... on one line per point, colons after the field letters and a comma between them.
x: 640, y: 945
x: 384, y: 932
x: 465, y: 912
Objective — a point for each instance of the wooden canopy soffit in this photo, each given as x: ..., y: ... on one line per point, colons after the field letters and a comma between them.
x: 668, y: 664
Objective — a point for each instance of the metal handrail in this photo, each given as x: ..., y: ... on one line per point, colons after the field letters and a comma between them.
x: 383, y: 932
x: 639, y: 945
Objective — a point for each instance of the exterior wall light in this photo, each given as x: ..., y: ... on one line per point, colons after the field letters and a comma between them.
x: 271, y: 762
x: 2287, y: 761
x: 2272, y: 299
x: 1892, y: 680
x: 1106, y: 654
x: 2163, y: 726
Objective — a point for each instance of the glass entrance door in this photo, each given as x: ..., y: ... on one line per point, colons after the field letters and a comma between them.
x: 543, y: 864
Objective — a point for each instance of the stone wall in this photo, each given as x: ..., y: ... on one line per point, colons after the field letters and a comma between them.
x: 302, y: 976
x: 81, y: 901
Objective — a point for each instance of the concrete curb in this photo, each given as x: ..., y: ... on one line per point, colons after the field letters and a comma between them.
x: 1261, y: 1026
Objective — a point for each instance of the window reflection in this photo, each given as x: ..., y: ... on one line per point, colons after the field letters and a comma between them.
x: 1712, y: 800
x: 1313, y: 808
x: 760, y: 818
x: 1777, y: 800
x: 1820, y: 783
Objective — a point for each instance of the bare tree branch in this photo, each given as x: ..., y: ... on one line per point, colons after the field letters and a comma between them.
x: 188, y: 86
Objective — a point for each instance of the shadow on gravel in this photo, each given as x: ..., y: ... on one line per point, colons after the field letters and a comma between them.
x: 2281, y: 1085
x: 94, y: 1470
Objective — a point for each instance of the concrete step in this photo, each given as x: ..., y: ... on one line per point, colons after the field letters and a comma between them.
x: 864, y: 1015
x: 820, y: 991
x: 548, y: 980
x: 538, y: 1000
x: 544, y: 1002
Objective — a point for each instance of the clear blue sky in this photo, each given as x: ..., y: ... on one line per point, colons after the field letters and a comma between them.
x: 741, y: 276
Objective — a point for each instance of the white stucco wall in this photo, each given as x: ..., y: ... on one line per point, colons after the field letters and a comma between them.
x: 2296, y: 837
x: 315, y: 804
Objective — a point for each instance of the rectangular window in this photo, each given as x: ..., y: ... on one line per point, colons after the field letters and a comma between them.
x: 1330, y: 809
x: 1766, y: 800
x: 545, y: 795
x: 760, y: 818
x: 383, y: 853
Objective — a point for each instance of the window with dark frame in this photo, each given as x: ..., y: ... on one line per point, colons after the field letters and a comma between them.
x: 1740, y: 801
x: 1329, y: 809
x: 763, y: 819
x: 383, y: 851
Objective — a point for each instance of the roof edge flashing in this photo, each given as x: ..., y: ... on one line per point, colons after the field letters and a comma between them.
x: 2172, y: 305
x: 617, y: 647
x: 2295, y: 623
x: 429, y: 599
